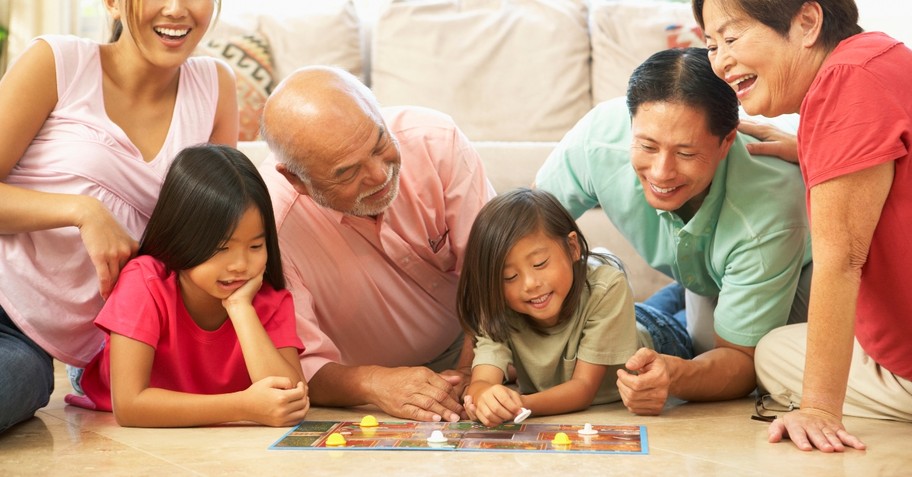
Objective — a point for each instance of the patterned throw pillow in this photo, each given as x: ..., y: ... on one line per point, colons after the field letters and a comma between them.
x: 250, y: 58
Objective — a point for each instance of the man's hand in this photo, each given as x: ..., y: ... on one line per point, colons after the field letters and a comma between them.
x: 418, y: 393
x: 459, y: 387
x: 774, y: 142
x: 644, y: 393
x: 810, y: 428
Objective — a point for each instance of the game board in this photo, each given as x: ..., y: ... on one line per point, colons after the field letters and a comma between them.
x: 463, y: 436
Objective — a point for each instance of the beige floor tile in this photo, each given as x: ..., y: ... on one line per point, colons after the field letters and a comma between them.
x: 711, y: 439
x: 46, y: 445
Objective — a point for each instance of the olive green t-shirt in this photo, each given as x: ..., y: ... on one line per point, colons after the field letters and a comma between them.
x: 602, y: 331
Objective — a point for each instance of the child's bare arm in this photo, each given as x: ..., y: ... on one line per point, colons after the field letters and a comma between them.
x: 272, y: 401
x: 260, y: 354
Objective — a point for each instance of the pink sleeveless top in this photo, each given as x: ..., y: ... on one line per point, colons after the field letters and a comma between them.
x: 48, y: 285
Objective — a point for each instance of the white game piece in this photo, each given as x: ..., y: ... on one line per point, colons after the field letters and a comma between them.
x: 587, y: 430
x: 523, y: 414
x: 437, y: 437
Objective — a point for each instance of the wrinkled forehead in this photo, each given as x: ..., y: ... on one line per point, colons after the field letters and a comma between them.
x: 343, y: 144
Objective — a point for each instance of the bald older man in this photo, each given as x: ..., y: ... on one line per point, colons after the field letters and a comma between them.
x: 373, y: 207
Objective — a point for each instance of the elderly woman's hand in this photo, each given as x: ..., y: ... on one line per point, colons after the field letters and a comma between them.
x: 811, y: 428
x: 774, y: 141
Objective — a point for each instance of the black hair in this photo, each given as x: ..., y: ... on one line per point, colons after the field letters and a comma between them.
x: 685, y: 76
x: 500, y: 224
x: 206, y: 191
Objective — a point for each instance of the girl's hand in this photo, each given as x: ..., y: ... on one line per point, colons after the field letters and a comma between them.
x: 108, y: 244
x: 274, y: 402
x: 244, y: 295
x: 495, y: 405
x: 469, y: 407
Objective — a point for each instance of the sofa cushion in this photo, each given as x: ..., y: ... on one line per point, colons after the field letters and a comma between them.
x: 324, y: 32
x: 503, y: 69
x: 626, y: 32
x: 249, y: 57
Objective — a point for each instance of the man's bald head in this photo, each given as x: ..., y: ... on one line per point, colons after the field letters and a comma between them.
x: 314, y: 112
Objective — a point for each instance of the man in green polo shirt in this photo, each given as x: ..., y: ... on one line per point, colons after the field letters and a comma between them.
x: 672, y: 173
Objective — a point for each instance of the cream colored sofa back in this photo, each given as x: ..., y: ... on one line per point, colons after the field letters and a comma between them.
x: 505, y: 70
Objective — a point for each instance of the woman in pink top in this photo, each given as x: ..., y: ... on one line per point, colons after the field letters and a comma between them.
x: 88, y: 133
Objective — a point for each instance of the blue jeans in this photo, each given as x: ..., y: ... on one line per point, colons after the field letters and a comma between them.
x: 26, y: 375
x: 664, y: 316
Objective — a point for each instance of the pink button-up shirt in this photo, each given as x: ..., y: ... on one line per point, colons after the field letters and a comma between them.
x: 383, y: 291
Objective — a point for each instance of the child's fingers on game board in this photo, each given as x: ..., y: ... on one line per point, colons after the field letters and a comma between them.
x: 470, y: 407
x: 491, y: 414
x: 508, y: 398
x: 498, y: 404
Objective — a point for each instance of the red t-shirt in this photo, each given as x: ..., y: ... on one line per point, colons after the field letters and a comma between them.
x: 858, y: 114
x: 146, y: 306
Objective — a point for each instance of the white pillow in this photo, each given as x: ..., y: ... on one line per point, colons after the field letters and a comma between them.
x: 324, y: 32
x: 626, y: 32
x: 503, y: 69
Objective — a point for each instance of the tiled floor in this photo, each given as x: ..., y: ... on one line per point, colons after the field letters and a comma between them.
x: 688, y: 439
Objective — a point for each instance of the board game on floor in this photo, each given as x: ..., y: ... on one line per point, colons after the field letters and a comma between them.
x: 463, y: 436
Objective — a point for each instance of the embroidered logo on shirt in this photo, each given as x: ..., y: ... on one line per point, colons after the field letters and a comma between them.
x: 438, y: 243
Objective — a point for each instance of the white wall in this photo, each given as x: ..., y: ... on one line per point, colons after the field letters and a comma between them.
x: 893, y: 17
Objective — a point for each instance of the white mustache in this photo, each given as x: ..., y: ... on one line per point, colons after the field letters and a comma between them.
x: 389, y: 177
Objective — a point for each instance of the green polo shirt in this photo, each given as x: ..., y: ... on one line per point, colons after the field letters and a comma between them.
x: 746, y: 245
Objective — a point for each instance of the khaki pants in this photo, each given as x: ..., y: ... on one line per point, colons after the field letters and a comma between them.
x: 872, y: 392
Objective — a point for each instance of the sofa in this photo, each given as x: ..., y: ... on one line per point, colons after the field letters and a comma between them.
x: 515, y: 75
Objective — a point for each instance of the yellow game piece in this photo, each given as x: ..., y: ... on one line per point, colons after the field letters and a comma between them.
x: 369, y: 421
x: 561, y: 439
x: 335, y: 439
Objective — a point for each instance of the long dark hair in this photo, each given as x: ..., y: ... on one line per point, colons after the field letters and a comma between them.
x: 500, y: 224
x: 206, y: 191
x: 685, y: 76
